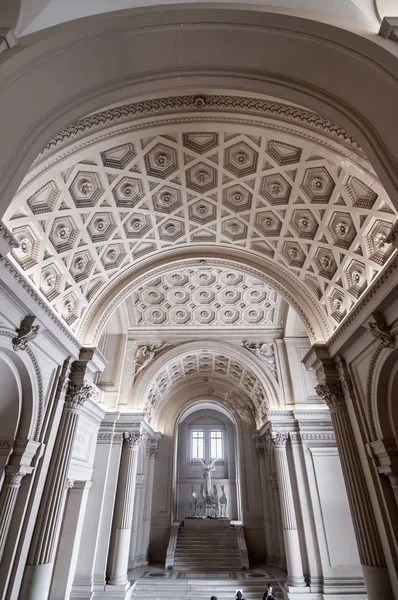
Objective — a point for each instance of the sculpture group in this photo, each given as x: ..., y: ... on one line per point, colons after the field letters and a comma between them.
x: 208, y: 503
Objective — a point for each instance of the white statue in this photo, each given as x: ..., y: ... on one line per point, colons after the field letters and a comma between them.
x: 207, y: 469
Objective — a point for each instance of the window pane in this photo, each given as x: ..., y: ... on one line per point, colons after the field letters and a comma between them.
x: 197, y: 444
x: 216, y: 444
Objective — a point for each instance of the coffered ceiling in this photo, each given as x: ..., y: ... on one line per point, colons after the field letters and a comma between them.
x: 311, y: 206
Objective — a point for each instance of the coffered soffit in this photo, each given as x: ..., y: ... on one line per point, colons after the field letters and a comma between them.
x: 97, y: 208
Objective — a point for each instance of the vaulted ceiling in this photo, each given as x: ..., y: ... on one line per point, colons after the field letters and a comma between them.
x: 111, y: 192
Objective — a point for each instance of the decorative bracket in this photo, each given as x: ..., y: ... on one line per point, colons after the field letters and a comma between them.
x: 389, y: 28
x: 26, y: 333
x: 381, y: 331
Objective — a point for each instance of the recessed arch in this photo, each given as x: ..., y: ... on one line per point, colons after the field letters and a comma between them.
x: 49, y: 61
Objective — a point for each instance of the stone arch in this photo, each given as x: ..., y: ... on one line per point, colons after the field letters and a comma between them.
x: 264, y: 391
x: 99, y: 314
x: 385, y: 383
x: 365, y: 106
x: 21, y: 393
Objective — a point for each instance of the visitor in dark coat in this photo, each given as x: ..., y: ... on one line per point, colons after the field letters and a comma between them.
x: 269, y: 594
x: 239, y: 595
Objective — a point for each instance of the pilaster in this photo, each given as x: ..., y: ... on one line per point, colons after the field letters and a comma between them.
x: 295, y: 576
x: 74, y: 393
x: 335, y: 389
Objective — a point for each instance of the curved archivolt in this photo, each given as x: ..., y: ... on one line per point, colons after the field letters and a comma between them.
x: 301, y: 200
x: 232, y: 374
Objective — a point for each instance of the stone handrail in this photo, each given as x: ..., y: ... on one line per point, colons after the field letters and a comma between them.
x: 171, y: 548
x: 244, y: 557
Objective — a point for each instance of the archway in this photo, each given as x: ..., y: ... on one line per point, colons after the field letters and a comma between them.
x: 206, y: 431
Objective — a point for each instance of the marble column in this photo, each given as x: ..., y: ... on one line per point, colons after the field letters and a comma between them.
x: 18, y: 466
x: 124, y: 506
x: 265, y: 485
x: 280, y: 559
x: 152, y: 452
x: 295, y: 576
x: 38, y: 573
x: 333, y: 389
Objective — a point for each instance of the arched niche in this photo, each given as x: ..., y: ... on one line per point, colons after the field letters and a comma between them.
x: 384, y: 396
x: 18, y: 409
x: 205, y: 417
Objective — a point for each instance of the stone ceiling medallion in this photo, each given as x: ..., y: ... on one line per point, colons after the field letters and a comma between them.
x: 118, y: 157
x: 378, y: 250
x: 202, y: 212
x: 167, y: 200
x: 336, y: 305
x: 204, y: 316
x: 240, y: 159
x: 356, y: 278
x: 161, y: 161
x: 341, y: 228
x: 81, y: 266
x: 293, y: 254
x: 325, y: 262
x: 64, y: 234
x: 304, y: 224
x: 45, y: 199
x: 283, y: 154
x: 50, y: 282
x: 113, y: 256
x: 268, y: 223
x: 275, y: 189
x: 137, y: 225
x: 70, y: 308
x: 27, y: 253
x: 237, y: 198
x: 128, y: 192
x: 86, y: 189
x: 201, y: 178
x: 234, y: 229
x: 101, y: 227
x: 203, y: 296
x: 171, y: 230
x: 318, y: 185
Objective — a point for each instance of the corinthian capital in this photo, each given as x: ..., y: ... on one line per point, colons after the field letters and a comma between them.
x: 332, y: 394
x: 280, y: 439
x: 132, y: 439
x: 77, y: 395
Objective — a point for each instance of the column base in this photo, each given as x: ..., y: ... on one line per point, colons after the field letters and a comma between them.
x: 377, y: 582
x: 297, y: 589
x: 37, y: 581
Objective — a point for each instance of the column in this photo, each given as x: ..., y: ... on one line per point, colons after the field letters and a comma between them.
x: 152, y: 452
x: 18, y: 466
x: 260, y: 449
x: 333, y: 389
x: 295, y: 576
x: 67, y: 552
x: 124, y: 506
x: 280, y: 557
x: 96, y: 531
x: 38, y: 573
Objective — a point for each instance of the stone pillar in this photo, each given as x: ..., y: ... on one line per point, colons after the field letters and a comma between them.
x: 333, y: 388
x: 278, y: 532
x: 295, y: 576
x: 265, y: 485
x: 152, y: 452
x: 96, y: 531
x: 18, y: 466
x: 123, y: 515
x: 38, y: 573
x: 67, y: 553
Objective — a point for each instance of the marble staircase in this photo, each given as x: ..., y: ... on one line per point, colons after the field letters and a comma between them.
x: 197, y: 589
